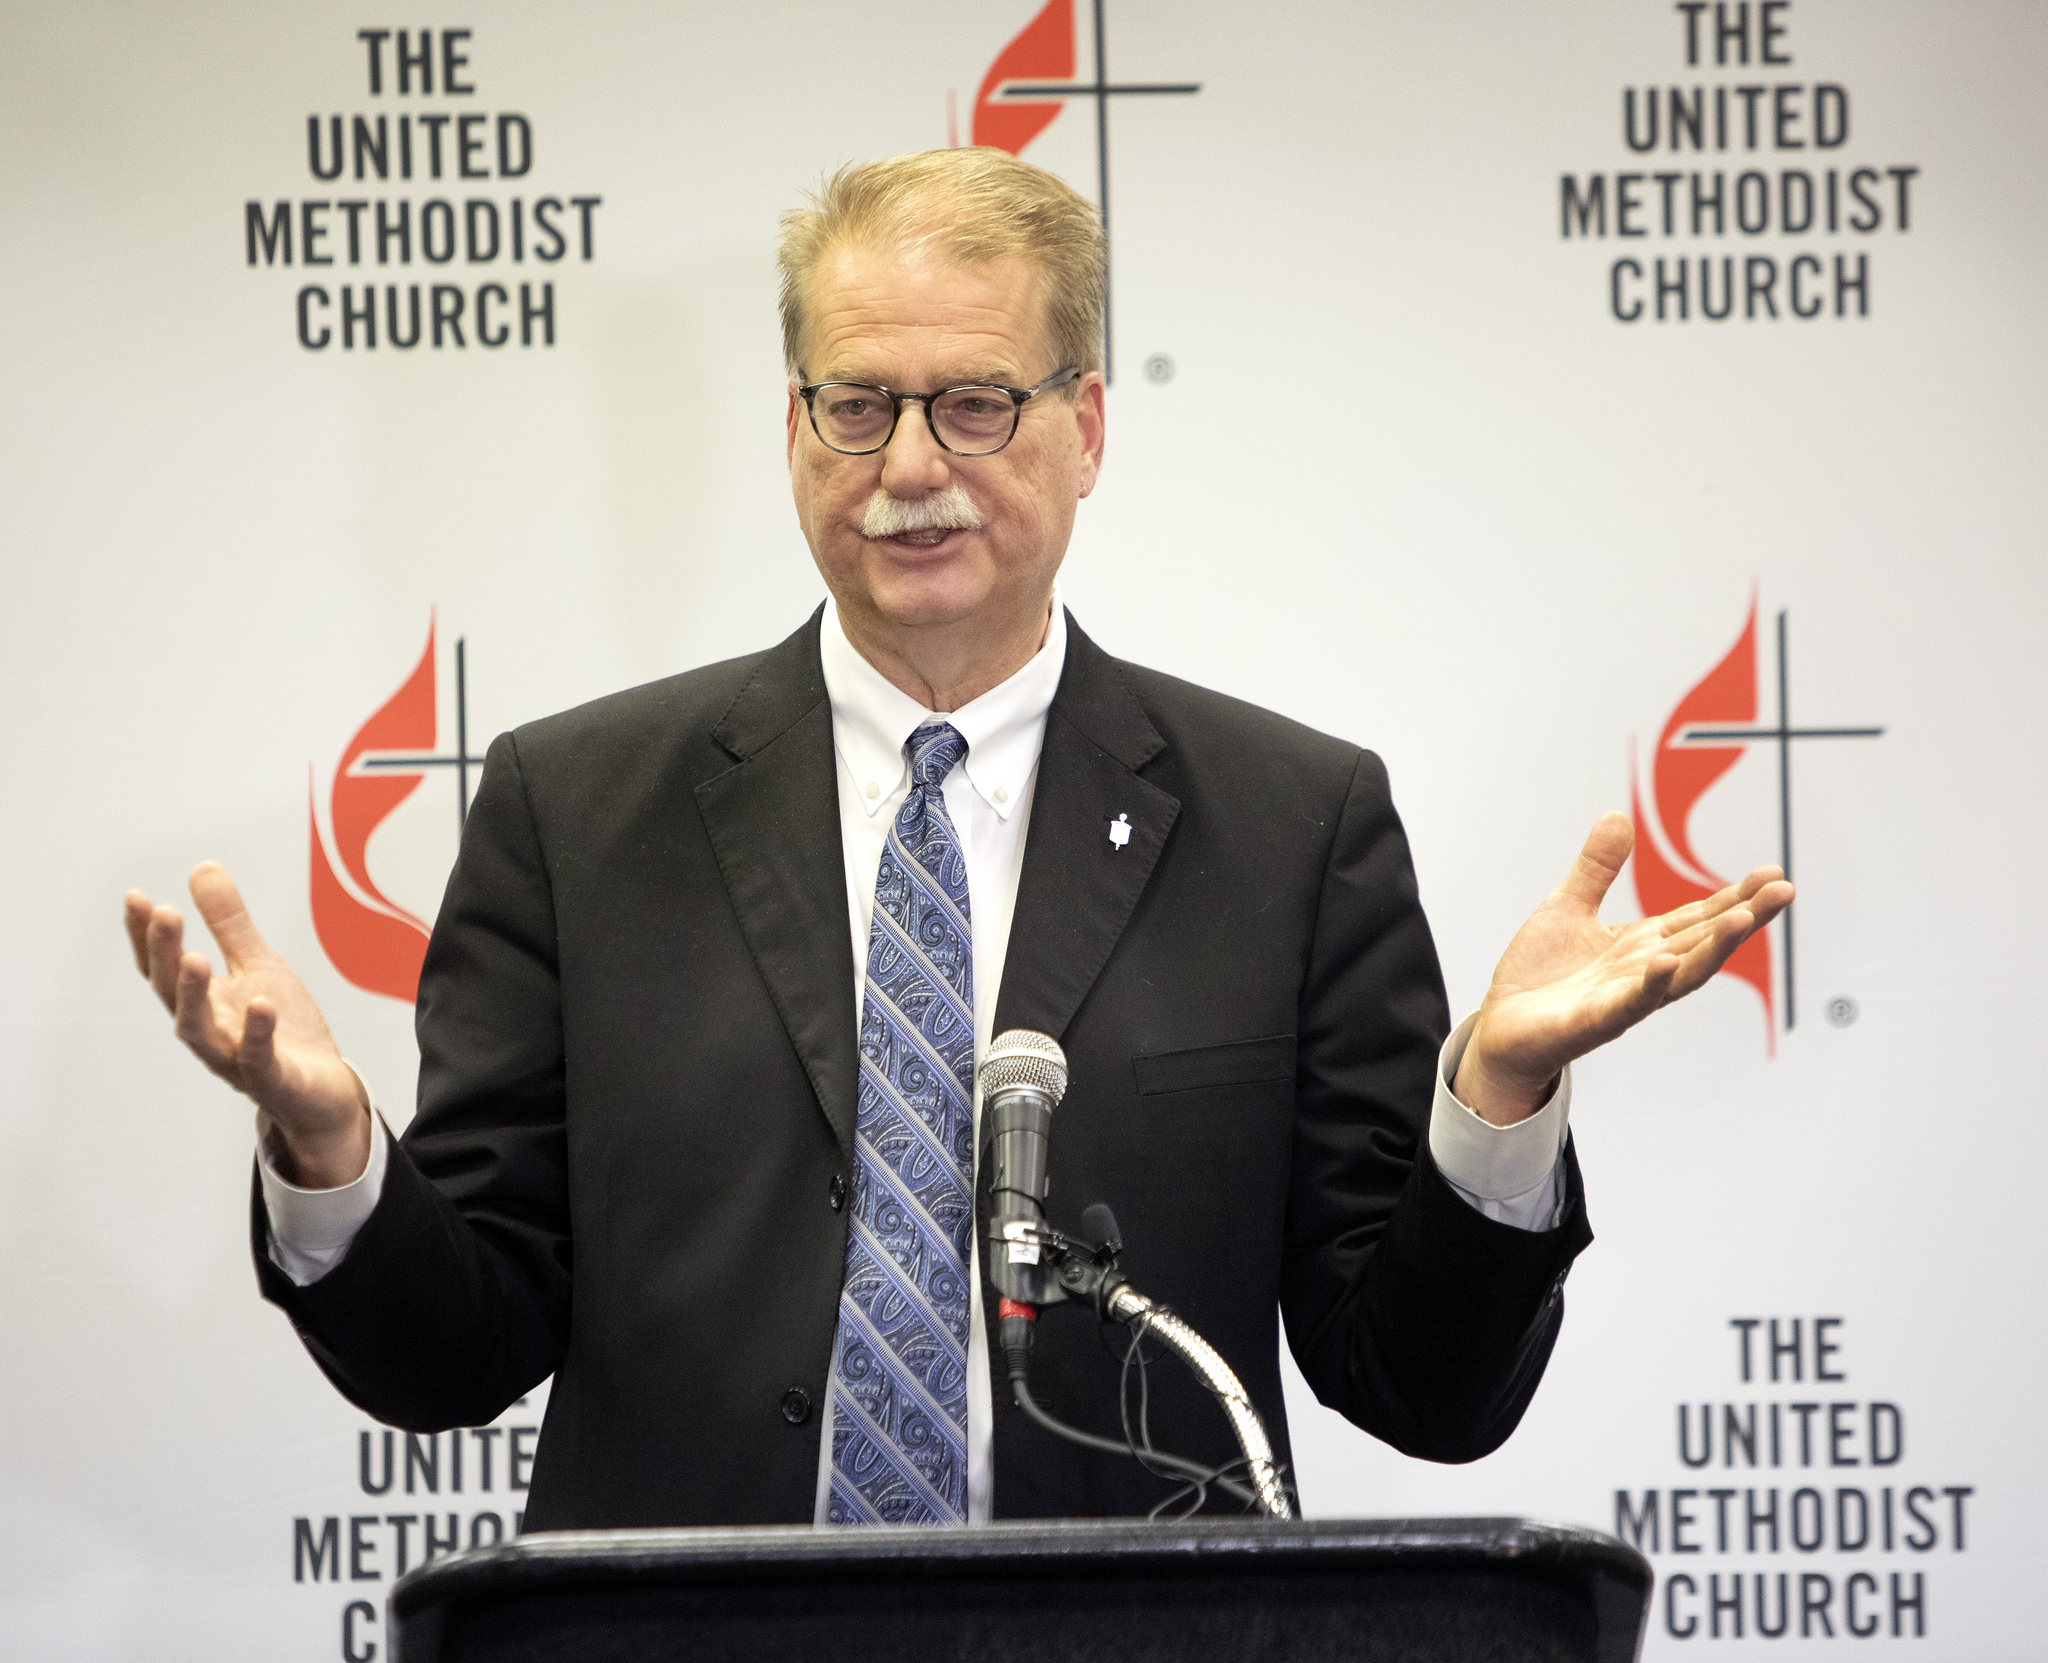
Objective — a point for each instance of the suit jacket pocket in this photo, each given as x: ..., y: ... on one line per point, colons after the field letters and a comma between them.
x: 1240, y: 1063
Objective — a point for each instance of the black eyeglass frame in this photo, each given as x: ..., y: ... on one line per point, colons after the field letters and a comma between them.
x: 1019, y: 397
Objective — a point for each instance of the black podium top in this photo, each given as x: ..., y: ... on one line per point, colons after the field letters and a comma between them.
x: 1196, y: 1592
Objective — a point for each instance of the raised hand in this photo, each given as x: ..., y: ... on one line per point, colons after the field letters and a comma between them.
x: 257, y: 1028
x: 1568, y: 983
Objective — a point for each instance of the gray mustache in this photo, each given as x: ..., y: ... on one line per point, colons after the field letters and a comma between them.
x: 945, y: 510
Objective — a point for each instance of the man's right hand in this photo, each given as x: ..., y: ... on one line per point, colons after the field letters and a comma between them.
x: 258, y: 1029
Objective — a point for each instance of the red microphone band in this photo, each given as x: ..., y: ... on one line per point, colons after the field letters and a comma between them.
x: 1017, y: 1308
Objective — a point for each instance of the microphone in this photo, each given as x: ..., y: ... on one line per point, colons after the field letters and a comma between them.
x: 1099, y: 1224
x: 1023, y: 1078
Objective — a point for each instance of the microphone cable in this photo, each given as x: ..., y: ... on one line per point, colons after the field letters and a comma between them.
x: 1017, y: 1332
x: 1195, y: 1490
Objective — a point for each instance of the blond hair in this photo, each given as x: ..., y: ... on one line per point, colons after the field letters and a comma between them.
x: 974, y: 205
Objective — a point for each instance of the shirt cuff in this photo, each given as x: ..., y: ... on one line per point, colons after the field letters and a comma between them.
x: 1512, y: 1174
x: 310, y: 1230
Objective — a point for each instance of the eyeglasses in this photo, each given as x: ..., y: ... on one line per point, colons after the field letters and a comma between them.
x: 858, y: 420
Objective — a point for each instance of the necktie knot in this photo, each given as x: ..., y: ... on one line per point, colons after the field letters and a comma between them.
x: 935, y: 749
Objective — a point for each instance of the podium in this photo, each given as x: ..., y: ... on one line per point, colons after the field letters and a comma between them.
x: 1201, y: 1591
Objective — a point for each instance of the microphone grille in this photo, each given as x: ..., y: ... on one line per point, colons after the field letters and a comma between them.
x: 1023, y: 1058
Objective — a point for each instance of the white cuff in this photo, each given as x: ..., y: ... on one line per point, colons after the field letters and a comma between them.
x: 1510, y: 1173
x: 310, y: 1230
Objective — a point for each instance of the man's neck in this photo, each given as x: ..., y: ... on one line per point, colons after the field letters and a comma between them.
x: 946, y: 667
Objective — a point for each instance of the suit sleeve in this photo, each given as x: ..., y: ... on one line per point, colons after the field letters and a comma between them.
x: 1410, y: 1312
x: 453, y: 1299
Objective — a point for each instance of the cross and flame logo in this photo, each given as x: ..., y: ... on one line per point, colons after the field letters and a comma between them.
x: 1029, y: 84
x: 1705, y: 736
x: 372, y: 940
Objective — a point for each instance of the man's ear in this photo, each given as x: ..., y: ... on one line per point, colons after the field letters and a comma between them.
x: 1089, y: 406
x: 790, y: 418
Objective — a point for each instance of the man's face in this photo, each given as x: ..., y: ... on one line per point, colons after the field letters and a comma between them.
x: 919, y: 323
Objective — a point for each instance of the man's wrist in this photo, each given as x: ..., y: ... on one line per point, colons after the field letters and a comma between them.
x: 1497, y: 1100
x: 1506, y: 1172
x: 311, y: 1229
x: 322, y: 1163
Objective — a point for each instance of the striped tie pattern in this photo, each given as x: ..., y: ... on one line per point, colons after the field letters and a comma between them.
x: 899, y: 1365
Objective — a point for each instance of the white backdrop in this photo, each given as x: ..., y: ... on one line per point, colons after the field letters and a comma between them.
x: 1382, y: 456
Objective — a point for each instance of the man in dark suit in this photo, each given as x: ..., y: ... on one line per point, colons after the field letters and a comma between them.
x: 699, y: 1019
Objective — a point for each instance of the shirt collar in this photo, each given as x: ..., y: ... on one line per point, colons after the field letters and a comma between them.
x: 1004, y: 728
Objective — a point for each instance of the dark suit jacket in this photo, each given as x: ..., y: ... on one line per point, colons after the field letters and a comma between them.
x: 637, y: 1081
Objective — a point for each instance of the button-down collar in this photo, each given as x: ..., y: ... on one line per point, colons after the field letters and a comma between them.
x: 1004, y: 728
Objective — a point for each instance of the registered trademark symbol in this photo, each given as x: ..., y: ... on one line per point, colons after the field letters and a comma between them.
x: 1842, y: 1011
x: 1159, y: 368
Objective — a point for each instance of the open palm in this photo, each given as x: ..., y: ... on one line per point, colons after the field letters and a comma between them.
x: 255, y: 1026
x: 1569, y: 983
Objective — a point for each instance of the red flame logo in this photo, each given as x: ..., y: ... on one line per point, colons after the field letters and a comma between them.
x: 1042, y: 51
x: 1680, y: 774
x: 374, y: 942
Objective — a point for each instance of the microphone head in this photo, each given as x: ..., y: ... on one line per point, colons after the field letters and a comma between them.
x: 1098, y: 1223
x: 1023, y: 1058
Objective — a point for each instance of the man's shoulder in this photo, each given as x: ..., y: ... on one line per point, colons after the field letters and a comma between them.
x: 1204, y: 725
x: 680, y: 720
x: 674, y: 708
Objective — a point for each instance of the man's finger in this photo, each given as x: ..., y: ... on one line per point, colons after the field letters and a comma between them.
x: 1716, y: 944
x: 1600, y: 861
x: 1659, y: 975
x: 196, y: 1024
x: 1770, y: 899
x: 1678, y: 920
x: 258, y: 1054
x: 1764, y: 892
x: 1626, y: 1001
x: 166, y: 945
x: 1709, y: 929
x: 1685, y: 927
x: 220, y: 904
x: 135, y: 914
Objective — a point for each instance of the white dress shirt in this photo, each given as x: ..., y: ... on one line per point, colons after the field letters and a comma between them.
x: 1509, y: 1173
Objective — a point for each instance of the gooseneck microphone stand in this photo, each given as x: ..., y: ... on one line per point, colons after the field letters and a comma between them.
x: 1071, y: 1269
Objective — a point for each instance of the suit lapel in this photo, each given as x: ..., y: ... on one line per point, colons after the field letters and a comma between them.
x: 773, y: 819
x: 1078, y: 887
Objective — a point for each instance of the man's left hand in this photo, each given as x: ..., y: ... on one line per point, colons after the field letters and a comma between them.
x: 1568, y: 983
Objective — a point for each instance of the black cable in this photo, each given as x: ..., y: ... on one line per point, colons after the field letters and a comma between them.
x: 1141, y: 1444
x: 1217, y: 1477
x: 1192, y: 1472
x: 1017, y: 1348
x: 1143, y: 1440
x: 1197, y: 1493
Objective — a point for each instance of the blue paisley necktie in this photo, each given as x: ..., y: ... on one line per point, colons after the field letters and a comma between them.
x: 899, y: 1367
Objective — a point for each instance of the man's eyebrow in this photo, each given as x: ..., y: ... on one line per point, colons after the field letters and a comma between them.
x: 981, y: 375
x: 975, y: 375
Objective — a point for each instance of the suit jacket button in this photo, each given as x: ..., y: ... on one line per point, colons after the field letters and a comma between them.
x: 796, y: 1406
x: 837, y: 1193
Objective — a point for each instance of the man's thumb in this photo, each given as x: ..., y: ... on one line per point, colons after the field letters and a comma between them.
x: 1600, y: 862
x: 220, y: 904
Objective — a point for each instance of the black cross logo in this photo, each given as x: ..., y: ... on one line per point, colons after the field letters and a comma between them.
x: 1782, y: 735
x: 461, y: 761
x: 1102, y: 90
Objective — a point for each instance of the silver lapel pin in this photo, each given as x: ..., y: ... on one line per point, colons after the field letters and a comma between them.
x: 1120, y: 830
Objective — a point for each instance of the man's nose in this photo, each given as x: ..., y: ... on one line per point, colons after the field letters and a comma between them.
x: 914, y: 463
